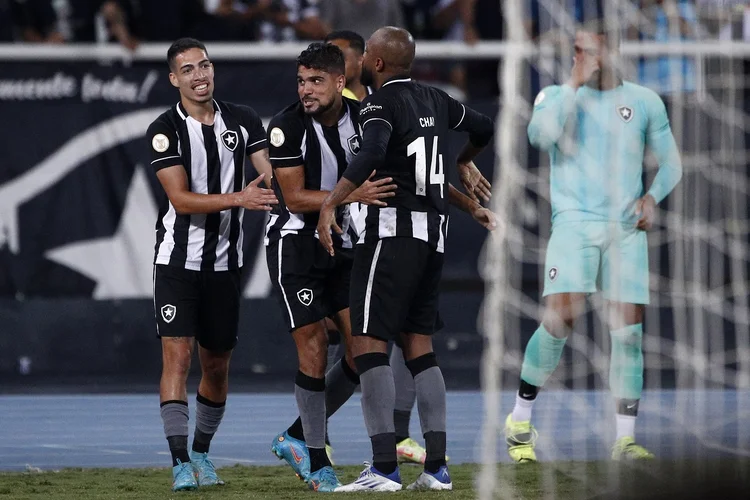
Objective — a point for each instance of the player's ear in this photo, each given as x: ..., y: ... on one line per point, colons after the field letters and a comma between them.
x: 173, y: 80
x: 379, y: 65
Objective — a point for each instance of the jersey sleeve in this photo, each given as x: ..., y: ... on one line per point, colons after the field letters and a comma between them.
x: 285, y: 141
x: 552, y: 108
x: 376, y: 108
x: 256, y: 134
x: 464, y: 119
x: 660, y: 140
x: 163, y: 145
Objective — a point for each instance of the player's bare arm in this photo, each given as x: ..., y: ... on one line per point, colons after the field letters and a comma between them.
x: 175, y: 183
x: 300, y: 200
x: 262, y: 165
x: 327, y: 221
x: 482, y: 215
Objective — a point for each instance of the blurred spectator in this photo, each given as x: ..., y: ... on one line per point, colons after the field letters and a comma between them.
x: 667, y: 21
x: 165, y: 20
x: 289, y: 20
x: 362, y: 16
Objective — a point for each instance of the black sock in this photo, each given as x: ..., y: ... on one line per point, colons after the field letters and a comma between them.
x: 435, y: 444
x: 527, y: 391
x: 201, y: 441
x: 383, y: 452
x: 178, y: 448
x: 401, y: 421
x: 318, y: 459
x: 295, y: 430
x: 328, y: 441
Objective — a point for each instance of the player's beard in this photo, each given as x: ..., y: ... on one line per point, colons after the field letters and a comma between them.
x: 366, y: 78
x: 322, y: 108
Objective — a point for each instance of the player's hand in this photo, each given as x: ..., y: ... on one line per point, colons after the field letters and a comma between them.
x: 486, y: 218
x: 326, y: 222
x: 584, y: 67
x: 254, y: 197
x: 373, y: 192
x: 645, y: 208
x: 474, y: 182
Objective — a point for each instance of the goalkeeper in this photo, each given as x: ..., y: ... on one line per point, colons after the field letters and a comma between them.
x: 596, y: 128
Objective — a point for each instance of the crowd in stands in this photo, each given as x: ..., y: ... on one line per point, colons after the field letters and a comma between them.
x: 131, y: 22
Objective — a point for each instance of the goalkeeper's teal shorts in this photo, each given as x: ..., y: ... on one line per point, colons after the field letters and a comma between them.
x: 591, y: 256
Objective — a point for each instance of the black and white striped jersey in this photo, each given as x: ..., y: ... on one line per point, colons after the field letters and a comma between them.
x: 214, y: 158
x: 408, y: 126
x: 297, y: 139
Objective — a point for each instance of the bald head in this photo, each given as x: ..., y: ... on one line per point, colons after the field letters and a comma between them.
x: 395, y: 46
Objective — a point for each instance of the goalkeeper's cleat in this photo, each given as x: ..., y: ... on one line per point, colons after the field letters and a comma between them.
x: 438, y: 481
x: 409, y: 451
x: 329, y: 452
x: 521, y: 439
x: 294, y: 452
x: 372, y: 479
x: 183, y: 477
x: 626, y: 449
x: 323, y: 480
x: 205, y: 471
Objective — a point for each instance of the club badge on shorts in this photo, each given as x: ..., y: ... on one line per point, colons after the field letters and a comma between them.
x: 305, y: 296
x: 552, y: 273
x: 168, y: 313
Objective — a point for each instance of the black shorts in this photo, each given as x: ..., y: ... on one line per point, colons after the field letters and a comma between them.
x: 200, y: 304
x: 395, y: 288
x: 308, y: 283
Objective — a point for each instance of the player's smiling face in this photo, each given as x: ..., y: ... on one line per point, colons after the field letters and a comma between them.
x: 317, y: 89
x: 193, y: 74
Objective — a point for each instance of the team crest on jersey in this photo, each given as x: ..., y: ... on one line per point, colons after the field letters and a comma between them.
x: 230, y: 139
x: 626, y: 113
x: 552, y: 273
x: 354, y: 144
x: 168, y: 313
x: 305, y: 296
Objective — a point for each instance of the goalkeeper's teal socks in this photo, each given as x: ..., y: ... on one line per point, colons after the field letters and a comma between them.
x: 541, y: 357
x: 539, y: 361
x: 626, y: 363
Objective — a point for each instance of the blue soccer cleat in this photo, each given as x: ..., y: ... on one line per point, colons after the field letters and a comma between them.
x: 439, y: 481
x: 323, y: 480
x: 183, y: 477
x: 294, y: 452
x: 205, y: 471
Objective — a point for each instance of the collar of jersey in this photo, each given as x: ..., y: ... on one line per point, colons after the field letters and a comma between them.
x: 397, y: 79
x: 184, y: 114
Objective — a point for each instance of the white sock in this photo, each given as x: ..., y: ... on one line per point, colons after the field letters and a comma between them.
x: 522, y: 409
x: 625, y: 425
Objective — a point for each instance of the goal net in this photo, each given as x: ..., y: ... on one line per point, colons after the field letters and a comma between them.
x: 696, y: 402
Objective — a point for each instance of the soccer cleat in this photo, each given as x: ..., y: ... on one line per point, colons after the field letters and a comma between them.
x: 409, y: 450
x: 323, y: 480
x: 438, y: 481
x: 294, y: 452
x: 626, y: 449
x: 183, y: 477
x: 205, y: 472
x: 520, y: 438
x: 372, y: 479
x: 329, y: 452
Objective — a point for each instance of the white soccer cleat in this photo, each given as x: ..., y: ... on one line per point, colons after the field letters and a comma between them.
x: 372, y: 479
x: 440, y: 481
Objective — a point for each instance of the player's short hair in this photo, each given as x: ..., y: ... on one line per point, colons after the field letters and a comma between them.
x: 355, y: 39
x: 323, y: 57
x: 607, y: 29
x: 182, y: 45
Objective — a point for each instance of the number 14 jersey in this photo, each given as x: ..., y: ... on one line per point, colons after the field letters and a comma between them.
x: 419, y: 117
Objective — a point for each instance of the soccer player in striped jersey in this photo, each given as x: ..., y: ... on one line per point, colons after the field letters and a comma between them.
x: 596, y: 128
x: 312, y: 142
x: 408, y: 450
x: 399, y: 256
x: 199, y: 149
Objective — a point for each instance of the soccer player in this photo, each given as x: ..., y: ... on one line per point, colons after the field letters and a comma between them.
x: 596, y: 128
x: 399, y: 257
x: 312, y: 142
x: 199, y: 150
x: 408, y: 450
